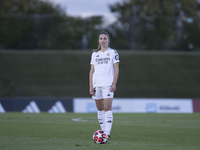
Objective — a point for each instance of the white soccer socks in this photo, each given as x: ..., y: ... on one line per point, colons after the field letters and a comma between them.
x: 108, y: 121
x: 105, y: 120
x: 101, y: 118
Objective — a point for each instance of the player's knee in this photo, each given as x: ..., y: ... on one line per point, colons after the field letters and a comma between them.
x: 107, y: 108
x: 100, y: 108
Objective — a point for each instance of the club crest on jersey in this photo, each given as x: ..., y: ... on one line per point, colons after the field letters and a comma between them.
x: 108, y: 54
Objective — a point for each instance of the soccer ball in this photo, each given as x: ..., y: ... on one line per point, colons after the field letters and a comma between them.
x: 100, y: 137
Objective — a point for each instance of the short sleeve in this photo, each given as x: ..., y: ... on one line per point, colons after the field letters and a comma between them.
x: 116, y: 57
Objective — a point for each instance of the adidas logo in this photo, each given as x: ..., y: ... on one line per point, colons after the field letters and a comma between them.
x: 108, y: 95
x: 2, y: 110
x: 57, y: 108
x: 109, y: 121
x: 31, y: 108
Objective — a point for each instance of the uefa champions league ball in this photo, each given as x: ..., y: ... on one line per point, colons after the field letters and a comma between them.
x: 100, y: 137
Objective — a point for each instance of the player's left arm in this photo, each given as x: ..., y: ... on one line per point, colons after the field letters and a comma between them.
x: 116, y: 74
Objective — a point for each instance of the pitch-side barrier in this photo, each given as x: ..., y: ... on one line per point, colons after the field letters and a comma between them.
x: 87, y: 105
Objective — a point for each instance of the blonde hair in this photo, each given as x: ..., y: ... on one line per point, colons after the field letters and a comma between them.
x: 99, y: 46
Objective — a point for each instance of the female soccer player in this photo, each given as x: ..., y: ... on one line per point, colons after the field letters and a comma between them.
x: 103, y: 79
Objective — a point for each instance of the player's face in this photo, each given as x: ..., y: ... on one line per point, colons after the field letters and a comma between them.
x: 104, y: 40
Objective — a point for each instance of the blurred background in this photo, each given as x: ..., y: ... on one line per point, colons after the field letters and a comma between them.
x: 45, y: 46
x: 132, y: 24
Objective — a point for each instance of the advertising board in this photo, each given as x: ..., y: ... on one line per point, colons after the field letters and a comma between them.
x: 134, y: 105
x: 36, y: 105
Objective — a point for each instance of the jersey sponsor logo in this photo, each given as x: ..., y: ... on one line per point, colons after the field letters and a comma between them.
x: 31, y: 108
x: 57, y: 108
x: 103, y: 60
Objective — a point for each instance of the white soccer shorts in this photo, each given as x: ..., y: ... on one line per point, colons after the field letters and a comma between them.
x: 102, y: 93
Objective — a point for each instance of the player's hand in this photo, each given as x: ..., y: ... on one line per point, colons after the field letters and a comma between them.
x: 91, y: 91
x: 113, y: 88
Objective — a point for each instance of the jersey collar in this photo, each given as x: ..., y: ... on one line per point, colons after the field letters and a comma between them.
x: 105, y: 51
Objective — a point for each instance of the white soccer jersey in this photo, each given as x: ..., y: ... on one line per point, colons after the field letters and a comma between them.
x: 103, y: 67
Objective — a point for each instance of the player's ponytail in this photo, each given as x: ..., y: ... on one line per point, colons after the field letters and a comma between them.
x: 98, y: 49
x: 99, y: 46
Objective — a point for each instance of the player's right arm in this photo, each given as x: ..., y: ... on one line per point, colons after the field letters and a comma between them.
x: 91, y: 90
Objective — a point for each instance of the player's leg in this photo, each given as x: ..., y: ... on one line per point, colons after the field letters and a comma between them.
x: 108, y: 114
x: 108, y: 99
x: 100, y: 107
x: 101, y: 113
x: 99, y: 104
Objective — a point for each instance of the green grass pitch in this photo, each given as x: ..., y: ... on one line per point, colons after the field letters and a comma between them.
x: 73, y: 131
